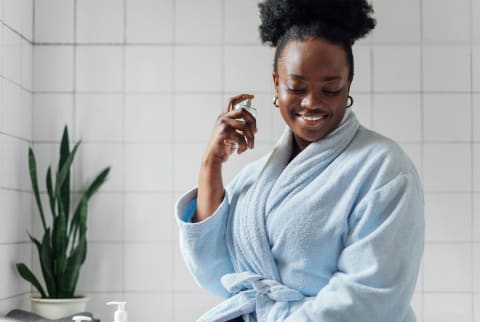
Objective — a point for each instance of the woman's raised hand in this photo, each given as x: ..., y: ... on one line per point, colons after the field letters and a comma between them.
x: 234, y: 130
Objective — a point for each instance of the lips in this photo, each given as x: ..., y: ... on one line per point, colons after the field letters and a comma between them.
x: 312, y: 117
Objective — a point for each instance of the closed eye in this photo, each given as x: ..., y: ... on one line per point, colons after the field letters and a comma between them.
x: 296, y: 90
x: 332, y: 93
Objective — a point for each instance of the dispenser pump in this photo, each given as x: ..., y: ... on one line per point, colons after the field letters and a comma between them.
x: 120, y: 313
x: 81, y: 318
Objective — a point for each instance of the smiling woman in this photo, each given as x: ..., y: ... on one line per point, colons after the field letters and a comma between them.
x: 330, y: 224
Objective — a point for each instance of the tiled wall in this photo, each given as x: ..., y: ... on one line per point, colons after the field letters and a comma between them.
x: 16, y: 47
x: 141, y: 83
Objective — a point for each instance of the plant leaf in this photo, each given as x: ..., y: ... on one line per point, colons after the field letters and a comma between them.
x: 47, y: 264
x: 65, y: 185
x: 32, y: 167
x: 64, y: 171
x: 27, y: 275
x: 51, y: 195
x: 74, y: 262
x: 61, y: 241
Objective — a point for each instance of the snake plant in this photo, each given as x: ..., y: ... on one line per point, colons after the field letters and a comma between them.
x: 63, y: 248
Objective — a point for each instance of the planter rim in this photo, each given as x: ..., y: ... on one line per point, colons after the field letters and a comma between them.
x: 79, y: 298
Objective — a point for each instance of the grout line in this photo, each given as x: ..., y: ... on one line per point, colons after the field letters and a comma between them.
x: 174, y: 103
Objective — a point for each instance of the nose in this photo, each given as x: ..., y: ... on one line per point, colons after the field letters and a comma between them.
x: 312, y: 101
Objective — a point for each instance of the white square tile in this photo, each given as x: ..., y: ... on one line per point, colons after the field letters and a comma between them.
x: 476, y: 25
x: 448, y: 267
x: 248, y: 69
x: 476, y: 68
x: 476, y: 117
x: 446, y: 68
x: 27, y: 65
x: 440, y: 124
x: 448, y: 217
x: 198, y: 69
x: 12, y: 14
x: 476, y: 308
x: 16, y: 216
x: 149, y: 217
x: 144, y: 113
x: 241, y: 22
x: 362, y: 79
x: 476, y: 217
x: 156, y: 270
x: 397, y: 21
x: 92, y: 158
x: 148, y: 167
x: 476, y: 167
x: 12, y: 283
x: 150, y: 307
x: 198, y: 21
x: 21, y: 302
x: 52, y: 68
x: 12, y: 56
x: 54, y: 21
x: 404, y: 75
x: 51, y: 112
x: 100, y: 21
x: 99, y: 117
x: 25, y: 120
x: 398, y: 116
x: 150, y: 21
x: 183, y: 280
x: 445, y: 307
x: 363, y: 108
x: 103, y: 269
x: 27, y: 19
x: 187, y: 161
x: 2, y: 41
x: 15, y: 161
x: 99, y: 68
x: 446, y: 21
x: 12, y: 108
x: 195, y: 117
x: 476, y: 267
x: 105, y: 221
x: 149, y: 68
x: 449, y: 167
x: 190, y: 306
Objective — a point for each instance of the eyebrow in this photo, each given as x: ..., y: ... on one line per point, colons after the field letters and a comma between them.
x: 325, y: 79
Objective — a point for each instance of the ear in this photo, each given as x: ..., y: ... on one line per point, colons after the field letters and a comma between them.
x: 275, y: 82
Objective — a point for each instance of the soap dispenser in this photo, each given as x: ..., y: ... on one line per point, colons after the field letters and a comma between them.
x: 81, y: 318
x: 120, y: 313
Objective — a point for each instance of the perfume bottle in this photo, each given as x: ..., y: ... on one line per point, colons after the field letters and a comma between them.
x: 246, y: 104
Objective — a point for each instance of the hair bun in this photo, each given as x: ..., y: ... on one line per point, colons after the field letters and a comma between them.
x: 352, y: 17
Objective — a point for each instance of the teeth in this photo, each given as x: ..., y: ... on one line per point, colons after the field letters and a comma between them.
x: 312, y: 118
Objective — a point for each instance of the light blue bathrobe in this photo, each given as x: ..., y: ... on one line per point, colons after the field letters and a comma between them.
x: 336, y: 235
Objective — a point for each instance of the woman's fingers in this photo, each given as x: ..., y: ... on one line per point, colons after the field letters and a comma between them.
x: 237, y: 99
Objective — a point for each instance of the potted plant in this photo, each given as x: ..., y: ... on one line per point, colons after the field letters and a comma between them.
x: 63, y: 247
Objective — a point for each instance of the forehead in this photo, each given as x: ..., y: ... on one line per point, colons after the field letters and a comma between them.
x: 313, y: 57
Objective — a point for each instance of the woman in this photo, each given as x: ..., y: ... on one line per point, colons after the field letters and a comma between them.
x: 329, y: 226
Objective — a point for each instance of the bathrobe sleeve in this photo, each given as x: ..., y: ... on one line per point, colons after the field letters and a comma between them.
x: 378, y: 267
x: 203, y: 244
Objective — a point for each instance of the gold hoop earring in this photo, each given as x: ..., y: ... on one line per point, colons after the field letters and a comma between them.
x: 351, y: 101
x: 275, y: 102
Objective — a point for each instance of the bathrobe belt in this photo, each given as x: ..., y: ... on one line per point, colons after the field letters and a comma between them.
x: 251, y: 292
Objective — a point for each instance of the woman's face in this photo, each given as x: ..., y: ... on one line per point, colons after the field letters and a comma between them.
x: 312, y: 87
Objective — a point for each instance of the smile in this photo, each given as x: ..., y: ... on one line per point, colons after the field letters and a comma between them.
x: 313, y: 118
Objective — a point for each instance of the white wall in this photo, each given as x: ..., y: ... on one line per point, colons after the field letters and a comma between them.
x: 141, y: 83
x: 16, y: 35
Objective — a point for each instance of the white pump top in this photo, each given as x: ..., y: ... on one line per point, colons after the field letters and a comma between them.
x: 80, y: 318
x: 120, y: 313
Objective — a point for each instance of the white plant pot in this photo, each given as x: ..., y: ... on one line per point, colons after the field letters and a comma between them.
x: 58, y: 308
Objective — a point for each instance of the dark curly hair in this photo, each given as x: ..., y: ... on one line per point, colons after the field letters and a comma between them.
x: 340, y: 22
